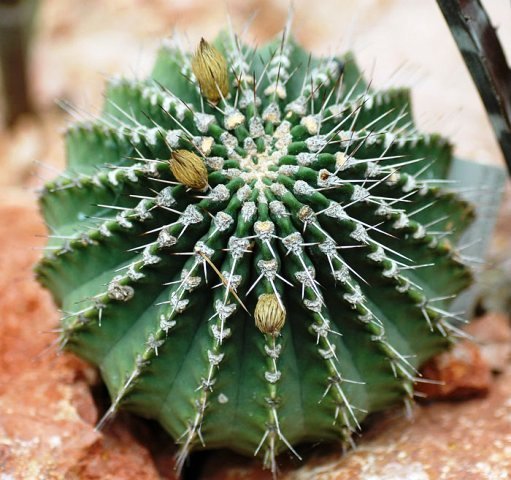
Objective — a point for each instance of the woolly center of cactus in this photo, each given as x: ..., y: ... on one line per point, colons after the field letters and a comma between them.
x: 256, y: 165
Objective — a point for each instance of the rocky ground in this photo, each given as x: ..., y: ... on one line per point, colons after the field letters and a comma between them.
x: 47, y: 411
x: 49, y: 403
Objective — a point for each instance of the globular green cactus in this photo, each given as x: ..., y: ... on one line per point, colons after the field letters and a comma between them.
x: 254, y: 246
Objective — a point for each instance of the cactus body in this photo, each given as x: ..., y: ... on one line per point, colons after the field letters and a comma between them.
x: 298, y: 291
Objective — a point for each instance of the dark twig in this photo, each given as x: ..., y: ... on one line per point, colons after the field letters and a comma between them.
x: 15, y: 22
x: 481, y: 49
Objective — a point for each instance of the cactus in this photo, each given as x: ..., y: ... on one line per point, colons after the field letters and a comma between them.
x: 254, y: 247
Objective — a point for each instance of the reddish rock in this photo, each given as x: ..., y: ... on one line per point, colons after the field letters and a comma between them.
x: 457, y: 374
x: 492, y: 332
x: 47, y: 413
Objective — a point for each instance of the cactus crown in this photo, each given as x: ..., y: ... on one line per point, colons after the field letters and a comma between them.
x: 253, y: 246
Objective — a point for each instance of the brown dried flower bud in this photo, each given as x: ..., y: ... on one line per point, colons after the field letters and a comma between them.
x: 210, y: 68
x: 189, y: 169
x: 269, y: 314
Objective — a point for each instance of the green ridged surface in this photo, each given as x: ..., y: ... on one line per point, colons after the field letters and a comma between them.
x: 361, y: 250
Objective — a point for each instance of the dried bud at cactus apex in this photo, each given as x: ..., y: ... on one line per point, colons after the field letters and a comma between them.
x: 210, y: 69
